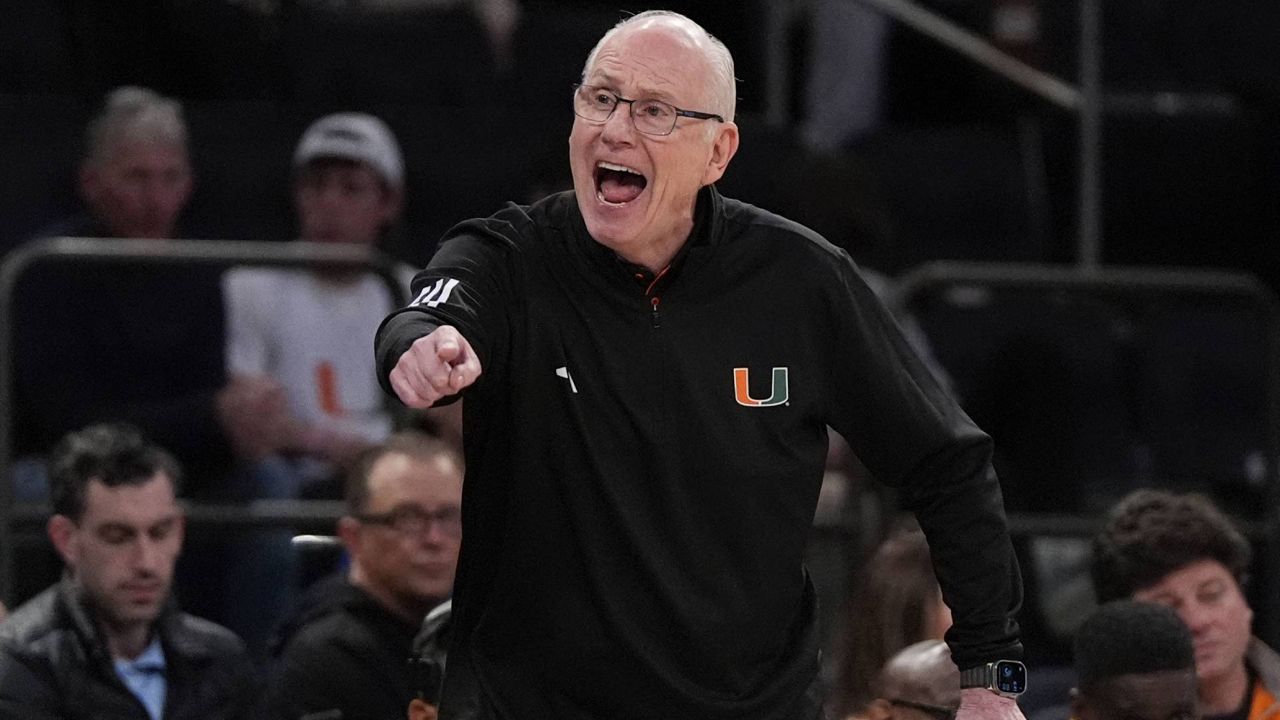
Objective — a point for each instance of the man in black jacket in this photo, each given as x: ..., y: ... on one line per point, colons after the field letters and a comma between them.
x: 645, y: 446
x: 346, y: 652
x: 106, y: 641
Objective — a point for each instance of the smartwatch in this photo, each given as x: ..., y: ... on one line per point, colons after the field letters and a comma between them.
x: 1003, y: 677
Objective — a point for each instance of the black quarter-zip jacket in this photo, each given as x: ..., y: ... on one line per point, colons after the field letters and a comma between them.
x: 644, y: 458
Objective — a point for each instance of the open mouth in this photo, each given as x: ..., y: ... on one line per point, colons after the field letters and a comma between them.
x: 618, y: 184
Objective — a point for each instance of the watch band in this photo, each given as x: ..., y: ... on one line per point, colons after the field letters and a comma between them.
x: 976, y: 677
x: 1003, y: 677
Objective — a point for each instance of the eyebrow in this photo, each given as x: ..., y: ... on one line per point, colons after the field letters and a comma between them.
x: 115, y: 526
x: 603, y: 79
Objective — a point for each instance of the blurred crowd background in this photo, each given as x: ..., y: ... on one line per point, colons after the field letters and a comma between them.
x: 1090, y: 389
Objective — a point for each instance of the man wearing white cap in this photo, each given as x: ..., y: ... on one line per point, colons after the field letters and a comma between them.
x: 309, y: 329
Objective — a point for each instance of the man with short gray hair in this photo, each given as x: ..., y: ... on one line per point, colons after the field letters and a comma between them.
x: 649, y: 370
x: 136, y: 176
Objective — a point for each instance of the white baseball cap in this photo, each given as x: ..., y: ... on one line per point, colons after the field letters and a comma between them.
x: 353, y: 136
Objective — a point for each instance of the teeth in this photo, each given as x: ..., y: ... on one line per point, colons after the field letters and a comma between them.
x: 618, y: 168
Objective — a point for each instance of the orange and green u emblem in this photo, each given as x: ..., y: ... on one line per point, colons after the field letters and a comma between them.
x: 779, y: 392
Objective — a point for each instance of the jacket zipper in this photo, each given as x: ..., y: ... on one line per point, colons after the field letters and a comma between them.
x: 655, y: 300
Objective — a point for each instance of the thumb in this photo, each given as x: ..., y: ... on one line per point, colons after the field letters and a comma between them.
x: 448, y: 349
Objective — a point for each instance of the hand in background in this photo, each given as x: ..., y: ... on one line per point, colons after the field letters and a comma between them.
x: 255, y: 416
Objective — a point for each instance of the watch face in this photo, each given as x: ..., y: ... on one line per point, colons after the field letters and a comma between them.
x: 1011, y: 677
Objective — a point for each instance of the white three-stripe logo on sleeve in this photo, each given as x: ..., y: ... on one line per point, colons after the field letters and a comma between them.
x: 435, y: 293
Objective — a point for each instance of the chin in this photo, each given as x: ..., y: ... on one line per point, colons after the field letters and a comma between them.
x: 607, y: 233
x: 434, y: 591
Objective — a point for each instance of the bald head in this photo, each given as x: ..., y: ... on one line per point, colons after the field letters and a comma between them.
x: 922, y: 673
x: 721, y: 88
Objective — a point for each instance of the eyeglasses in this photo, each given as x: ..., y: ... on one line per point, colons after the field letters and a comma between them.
x: 937, y: 711
x: 651, y: 117
x: 413, y: 520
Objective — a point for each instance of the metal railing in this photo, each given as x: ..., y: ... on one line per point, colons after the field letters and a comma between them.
x: 1213, y: 289
x: 220, y: 253
x: 1087, y: 101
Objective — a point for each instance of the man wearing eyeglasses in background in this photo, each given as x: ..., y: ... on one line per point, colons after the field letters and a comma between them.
x: 647, y: 440
x: 344, y: 651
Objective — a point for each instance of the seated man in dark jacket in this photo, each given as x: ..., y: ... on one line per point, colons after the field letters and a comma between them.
x: 346, y: 651
x: 106, y: 641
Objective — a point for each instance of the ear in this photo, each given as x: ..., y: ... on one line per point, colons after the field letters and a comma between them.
x: 189, y: 186
x: 723, y: 148
x: 392, y: 202
x: 62, y: 533
x: 879, y: 709
x: 180, y: 531
x: 349, y: 534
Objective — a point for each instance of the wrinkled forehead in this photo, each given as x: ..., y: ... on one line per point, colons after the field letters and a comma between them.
x: 664, y: 59
x: 399, y: 479
x: 145, y: 152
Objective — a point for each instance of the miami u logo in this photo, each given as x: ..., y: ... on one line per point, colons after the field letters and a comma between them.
x: 779, y: 392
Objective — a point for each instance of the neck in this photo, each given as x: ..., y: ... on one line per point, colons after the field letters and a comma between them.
x: 658, y: 255
x: 127, y: 642
x: 1222, y: 695
x: 411, y: 610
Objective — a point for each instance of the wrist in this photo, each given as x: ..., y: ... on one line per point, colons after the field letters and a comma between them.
x: 1001, y: 677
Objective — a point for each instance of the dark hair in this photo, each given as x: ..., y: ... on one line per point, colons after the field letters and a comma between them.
x: 112, y: 454
x: 417, y: 445
x: 886, y: 612
x: 1151, y: 533
x: 1125, y: 637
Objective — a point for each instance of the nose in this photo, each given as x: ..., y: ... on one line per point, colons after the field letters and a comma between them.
x: 153, y: 191
x: 1196, y: 617
x: 619, y: 129
x: 149, y: 556
x: 327, y: 194
x: 434, y: 535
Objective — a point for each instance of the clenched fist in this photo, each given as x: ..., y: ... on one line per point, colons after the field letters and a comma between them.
x: 435, y: 366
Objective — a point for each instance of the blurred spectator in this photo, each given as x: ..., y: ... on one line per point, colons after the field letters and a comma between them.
x: 1134, y: 661
x: 1183, y: 552
x: 107, y: 641
x: 136, y: 177
x: 895, y: 603
x: 141, y: 344
x: 918, y: 683
x: 309, y: 330
x: 345, y: 650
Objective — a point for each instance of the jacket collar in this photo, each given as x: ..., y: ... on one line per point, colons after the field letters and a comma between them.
x: 1266, y: 663
x: 707, y: 233
x: 168, y: 627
